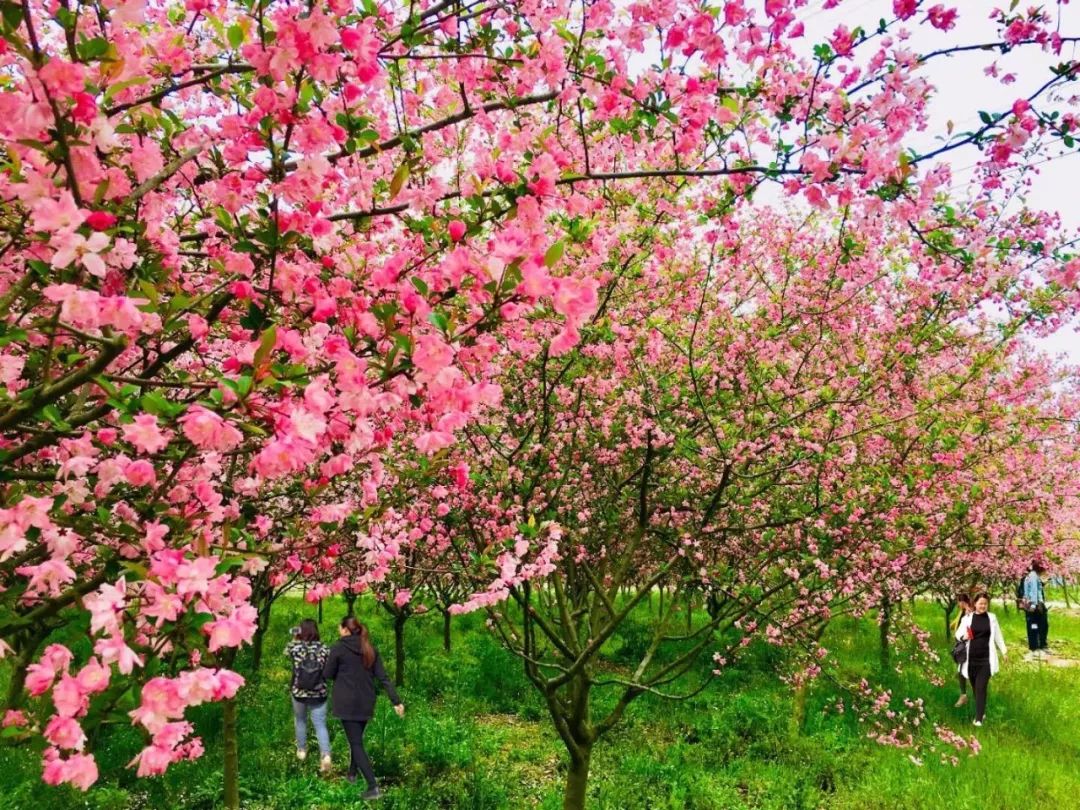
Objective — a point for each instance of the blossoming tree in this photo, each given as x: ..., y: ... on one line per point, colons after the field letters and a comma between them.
x: 245, y: 244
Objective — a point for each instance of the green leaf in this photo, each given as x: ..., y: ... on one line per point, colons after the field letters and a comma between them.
x: 420, y: 285
x: 236, y: 35
x: 439, y: 320
x: 266, y: 346
x: 554, y: 253
x: 398, y: 181
x: 12, y: 15
x: 93, y: 48
x: 52, y: 413
x: 255, y: 318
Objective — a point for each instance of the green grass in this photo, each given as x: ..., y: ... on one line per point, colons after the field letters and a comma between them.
x: 476, y: 736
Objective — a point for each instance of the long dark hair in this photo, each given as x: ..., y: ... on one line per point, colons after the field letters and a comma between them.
x: 355, y: 628
x: 309, y: 630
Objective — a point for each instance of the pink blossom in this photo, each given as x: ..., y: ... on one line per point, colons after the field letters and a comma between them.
x: 57, y: 214
x: 39, y: 679
x: 942, y: 18
x: 72, y: 247
x: 65, y: 732
x: 145, y: 434
x: 208, y: 431
x: 431, y: 354
x: 114, y: 650
x: 69, y: 697
x: 93, y: 677
x: 13, y: 718
x: 236, y: 629
x: 140, y: 473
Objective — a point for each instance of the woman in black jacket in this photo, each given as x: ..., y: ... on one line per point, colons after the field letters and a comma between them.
x: 353, y: 666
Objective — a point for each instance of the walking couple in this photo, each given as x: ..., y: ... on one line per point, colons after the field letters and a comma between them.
x: 354, y: 665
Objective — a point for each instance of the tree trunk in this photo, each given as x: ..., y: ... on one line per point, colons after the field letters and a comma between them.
x: 885, y: 625
x: 320, y: 611
x: 798, y: 709
x: 1065, y: 593
x: 948, y: 621
x: 446, y: 630
x: 232, y: 763
x: 399, y: 649
x: 257, y: 646
x: 350, y: 602
x: 577, y: 780
x: 15, y: 696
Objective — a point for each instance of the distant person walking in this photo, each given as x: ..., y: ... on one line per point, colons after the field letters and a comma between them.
x: 984, y: 639
x: 966, y: 609
x: 308, y: 687
x: 354, y: 665
x: 1034, y: 604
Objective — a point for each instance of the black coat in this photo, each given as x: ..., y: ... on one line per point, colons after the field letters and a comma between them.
x: 354, y: 684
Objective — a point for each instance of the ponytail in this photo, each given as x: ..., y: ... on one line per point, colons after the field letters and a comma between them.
x: 355, y: 628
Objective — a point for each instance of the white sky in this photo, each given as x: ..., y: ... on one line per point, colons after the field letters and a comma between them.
x: 963, y: 89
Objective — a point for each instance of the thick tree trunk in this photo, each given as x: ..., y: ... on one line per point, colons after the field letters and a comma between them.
x: 577, y: 780
x: 399, y: 649
x: 231, y: 753
x: 885, y: 626
x: 15, y: 695
x: 446, y: 630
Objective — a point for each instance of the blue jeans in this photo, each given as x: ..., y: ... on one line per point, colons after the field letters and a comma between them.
x: 318, y: 717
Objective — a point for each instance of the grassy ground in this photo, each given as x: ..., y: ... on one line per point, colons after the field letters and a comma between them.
x: 476, y: 736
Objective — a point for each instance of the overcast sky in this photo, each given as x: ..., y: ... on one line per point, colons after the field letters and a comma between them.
x: 963, y: 90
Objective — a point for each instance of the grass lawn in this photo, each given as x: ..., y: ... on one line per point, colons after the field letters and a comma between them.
x: 477, y: 736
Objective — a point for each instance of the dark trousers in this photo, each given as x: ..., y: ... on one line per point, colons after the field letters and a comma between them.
x: 979, y: 675
x: 1037, y: 627
x: 358, y: 758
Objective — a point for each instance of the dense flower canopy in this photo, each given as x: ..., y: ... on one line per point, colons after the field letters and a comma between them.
x: 249, y: 247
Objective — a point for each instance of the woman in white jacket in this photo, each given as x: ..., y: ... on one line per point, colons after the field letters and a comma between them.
x: 983, y: 635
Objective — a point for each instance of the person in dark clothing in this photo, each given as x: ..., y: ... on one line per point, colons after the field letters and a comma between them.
x: 1034, y: 604
x: 354, y: 665
x: 984, y: 639
x: 964, y: 602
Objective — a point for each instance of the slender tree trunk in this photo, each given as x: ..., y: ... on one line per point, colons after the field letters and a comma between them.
x: 798, y: 709
x: 399, y: 649
x: 1065, y: 593
x: 885, y: 626
x: 948, y: 621
x: 350, y: 603
x: 257, y: 647
x: 232, y: 761
x: 446, y: 630
x: 577, y: 780
x: 320, y: 612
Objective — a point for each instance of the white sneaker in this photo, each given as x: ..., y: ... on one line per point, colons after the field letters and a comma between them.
x: 978, y: 723
x: 301, y: 755
x: 326, y: 764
